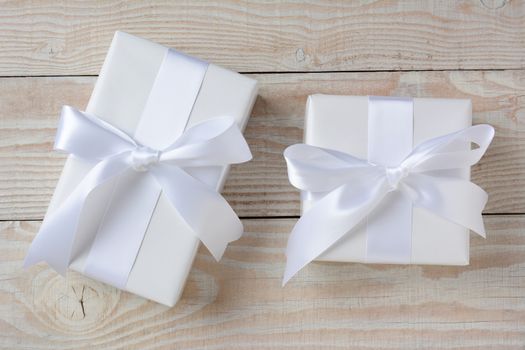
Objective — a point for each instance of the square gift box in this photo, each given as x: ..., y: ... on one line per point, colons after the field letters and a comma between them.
x: 342, y: 123
x: 132, y: 69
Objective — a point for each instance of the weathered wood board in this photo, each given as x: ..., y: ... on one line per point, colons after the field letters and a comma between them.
x: 71, y: 37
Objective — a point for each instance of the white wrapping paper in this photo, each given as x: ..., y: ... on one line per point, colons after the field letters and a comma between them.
x: 119, y: 97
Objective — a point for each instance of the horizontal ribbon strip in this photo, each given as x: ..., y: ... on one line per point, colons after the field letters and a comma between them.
x: 351, y: 188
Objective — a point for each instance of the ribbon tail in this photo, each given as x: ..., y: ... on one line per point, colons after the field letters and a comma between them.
x: 54, y: 241
x: 457, y: 200
x: 204, y: 210
x: 329, y: 220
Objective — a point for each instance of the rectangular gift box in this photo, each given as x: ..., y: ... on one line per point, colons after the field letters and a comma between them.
x: 130, y: 69
x: 341, y: 123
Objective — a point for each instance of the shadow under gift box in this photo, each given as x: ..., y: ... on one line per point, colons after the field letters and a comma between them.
x: 169, y: 247
x: 341, y: 123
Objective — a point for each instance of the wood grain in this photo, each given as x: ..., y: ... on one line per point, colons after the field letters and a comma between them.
x: 239, y: 303
x: 30, y: 107
x: 71, y: 37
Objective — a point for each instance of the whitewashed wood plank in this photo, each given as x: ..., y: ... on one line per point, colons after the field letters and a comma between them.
x: 29, y: 109
x: 52, y: 37
x: 239, y: 303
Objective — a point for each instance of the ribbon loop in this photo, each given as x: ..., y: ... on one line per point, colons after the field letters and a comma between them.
x: 354, y: 188
x: 77, y: 130
x: 208, y: 143
x: 441, y: 152
x: 318, y: 169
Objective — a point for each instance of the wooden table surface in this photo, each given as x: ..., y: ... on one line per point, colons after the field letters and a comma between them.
x: 50, y: 54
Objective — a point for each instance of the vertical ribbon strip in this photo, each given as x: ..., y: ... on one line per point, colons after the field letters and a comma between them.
x: 163, y: 119
x: 390, y: 135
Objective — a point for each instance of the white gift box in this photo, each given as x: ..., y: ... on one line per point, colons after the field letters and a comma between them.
x: 119, y: 97
x: 341, y: 123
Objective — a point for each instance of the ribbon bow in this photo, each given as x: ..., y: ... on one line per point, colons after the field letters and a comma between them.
x: 215, y: 142
x: 350, y: 188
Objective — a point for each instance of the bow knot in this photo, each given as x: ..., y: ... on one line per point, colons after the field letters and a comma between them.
x: 142, y: 158
x: 394, y: 175
x: 349, y: 189
x: 209, y: 144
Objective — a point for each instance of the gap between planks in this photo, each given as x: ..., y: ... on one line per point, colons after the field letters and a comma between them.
x: 292, y: 72
x: 284, y: 217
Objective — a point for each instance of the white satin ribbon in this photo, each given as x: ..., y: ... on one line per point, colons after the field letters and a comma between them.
x: 390, y: 140
x: 215, y: 142
x: 351, y: 188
